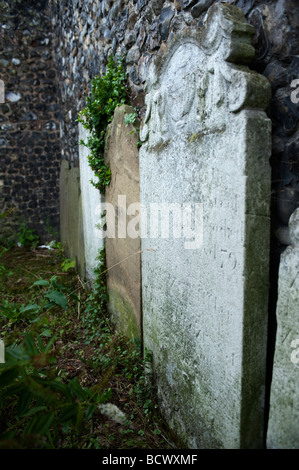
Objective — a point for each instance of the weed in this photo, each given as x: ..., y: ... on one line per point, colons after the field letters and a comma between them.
x: 55, y: 293
x: 107, y: 92
x: 44, y: 406
x: 130, y: 118
x: 60, y: 367
x: 50, y: 229
x: 68, y: 264
x: 16, y: 313
x: 7, y: 212
x: 27, y: 237
x: 3, y: 270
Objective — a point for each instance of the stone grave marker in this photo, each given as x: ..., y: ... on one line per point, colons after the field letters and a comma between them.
x: 91, y: 201
x: 283, y: 428
x: 205, y: 197
x: 122, y: 245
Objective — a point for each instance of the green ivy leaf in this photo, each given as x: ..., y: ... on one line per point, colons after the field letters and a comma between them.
x: 57, y: 298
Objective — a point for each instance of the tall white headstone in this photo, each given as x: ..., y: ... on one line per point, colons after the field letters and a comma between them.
x: 283, y: 429
x: 205, y: 192
x: 91, y: 209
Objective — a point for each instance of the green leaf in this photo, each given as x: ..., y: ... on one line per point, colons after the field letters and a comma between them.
x: 68, y: 413
x: 15, y: 354
x: 68, y: 264
x: 30, y: 346
x: 41, y: 282
x: 90, y: 411
x: 47, y: 333
x: 36, y: 409
x: 74, y: 297
x: 40, y: 343
x: 24, y: 403
x: 76, y: 389
x: 49, y: 305
x: 61, y: 388
x: 57, y: 298
x: 40, y: 424
x: 27, y: 308
x: 49, y: 344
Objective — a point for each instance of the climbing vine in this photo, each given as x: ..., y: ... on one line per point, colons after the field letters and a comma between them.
x: 107, y: 91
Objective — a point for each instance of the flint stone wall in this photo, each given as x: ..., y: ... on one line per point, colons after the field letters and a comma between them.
x: 29, y: 121
x: 206, y: 140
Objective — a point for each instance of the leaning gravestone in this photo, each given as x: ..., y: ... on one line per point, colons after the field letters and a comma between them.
x: 205, y: 194
x: 122, y: 251
x: 71, y: 223
x: 283, y: 429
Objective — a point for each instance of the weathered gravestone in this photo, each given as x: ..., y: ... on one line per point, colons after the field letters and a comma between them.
x: 122, y: 207
x: 283, y: 429
x: 71, y: 224
x: 205, y: 189
x: 91, y: 204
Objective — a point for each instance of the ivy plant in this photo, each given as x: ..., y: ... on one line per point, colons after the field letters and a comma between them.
x: 107, y: 92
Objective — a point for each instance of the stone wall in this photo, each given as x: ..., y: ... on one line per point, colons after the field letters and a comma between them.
x: 29, y: 120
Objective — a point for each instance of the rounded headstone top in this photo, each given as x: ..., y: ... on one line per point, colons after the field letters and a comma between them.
x: 294, y: 227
